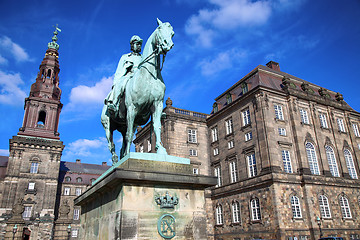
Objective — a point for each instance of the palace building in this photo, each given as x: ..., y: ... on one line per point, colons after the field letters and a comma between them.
x: 285, y: 152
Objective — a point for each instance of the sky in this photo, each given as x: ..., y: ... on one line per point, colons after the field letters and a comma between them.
x: 217, y: 42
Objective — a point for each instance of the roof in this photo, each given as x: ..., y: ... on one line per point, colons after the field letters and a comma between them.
x: 4, y: 161
x: 83, y: 168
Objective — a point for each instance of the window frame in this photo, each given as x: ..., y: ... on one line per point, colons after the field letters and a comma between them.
x: 193, y: 153
x: 279, y: 114
x: 355, y: 127
x: 323, y: 121
x: 248, y: 136
x: 31, y: 186
x: 192, y: 135
x: 67, y: 191
x: 296, y: 207
x: 345, y: 207
x: 27, y: 212
x: 304, y: 117
x: 245, y: 116
x: 229, y: 126
x: 231, y: 144
x: 282, y: 130
x: 76, y: 214
x: 324, y: 206
x: 331, y: 158
x: 214, y: 134
x: 217, y: 173
x: 34, y: 167
x: 255, y: 209
x: 219, y: 215
x: 78, y: 191
x: 236, y: 212
x: 312, y: 158
x: 341, y: 125
x: 286, y: 159
x: 216, y: 151
x: 350, y: 164
x: 233, y: 171
x: 252, y: 165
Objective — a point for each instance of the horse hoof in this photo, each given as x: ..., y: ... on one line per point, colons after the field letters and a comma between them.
x: 161, y: 150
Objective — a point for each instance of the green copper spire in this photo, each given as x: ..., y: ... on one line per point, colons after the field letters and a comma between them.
x: 53, y: 44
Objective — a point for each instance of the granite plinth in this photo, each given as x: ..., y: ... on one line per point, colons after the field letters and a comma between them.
x: 121, y: 205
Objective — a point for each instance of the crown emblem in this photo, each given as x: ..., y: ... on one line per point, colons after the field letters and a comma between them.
x: 166, y: 201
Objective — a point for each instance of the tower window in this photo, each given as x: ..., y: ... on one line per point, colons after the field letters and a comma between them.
x: 49, y: 73
x: 41, y: 119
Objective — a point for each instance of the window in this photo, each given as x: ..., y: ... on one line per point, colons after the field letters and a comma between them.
x: 41, y: 119
x: 27, y: 212
x: 78, y: 191
x: 216, y: 151
x: 74, y: 233
x: 350, y: 164
x: 76, y: 214
x: 255, y: 209
x: 195, y: 171
x: 356, y: 129
x: 219, y: 216
x: 304, y: 116
x: 34, y: 167
x: 244, y: 88
x: 214, y: 134
x: 246, y: 117
x: 92, y: 180
x: 323, y: 122
x: 324, y: 207
x: 217, y: 172
x: 149, y: 145
x: 229, y: 126
x: 192, y: 136
x: 286, y: 161
x: 233, y: 171
x: 248, y: 136
x: 228, y: 98
x: 278, y: 112
x: 193, y: 152
x: 252, y: 165
x: 68, y: 179
x: 311, y: 155
x: 345, y: 208
x: 79, y: 179
x: 235, y: 207
x: 215, y: 108
x: 141, y: 148
x: 295, y: 207
x: 330, y: 155
x: 31, y: 186
x: 341, y: 125
x: 230, y: 144
x: 66, y: 191
x: 282, y: 131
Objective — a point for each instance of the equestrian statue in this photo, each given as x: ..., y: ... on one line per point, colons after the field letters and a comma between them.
x: 138, y: 90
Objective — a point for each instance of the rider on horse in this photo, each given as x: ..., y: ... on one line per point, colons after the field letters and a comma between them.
x: 125, y: 70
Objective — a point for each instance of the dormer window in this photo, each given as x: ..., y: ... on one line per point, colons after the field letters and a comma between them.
x: 228, y: 98
x: 41, y: 119
x: 215, y: 108
x: 244, y: 88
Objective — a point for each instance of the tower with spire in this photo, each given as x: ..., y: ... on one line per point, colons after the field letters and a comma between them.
x: 31, y: 180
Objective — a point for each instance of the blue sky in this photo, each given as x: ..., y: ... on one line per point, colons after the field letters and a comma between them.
x: 217, y: 42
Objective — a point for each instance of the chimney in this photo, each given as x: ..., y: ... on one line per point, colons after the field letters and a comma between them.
x: 78, y: 161
x: 273, y: 65
x: 104, y: 164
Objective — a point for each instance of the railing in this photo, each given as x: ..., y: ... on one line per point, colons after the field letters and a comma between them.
x: 189, y: 113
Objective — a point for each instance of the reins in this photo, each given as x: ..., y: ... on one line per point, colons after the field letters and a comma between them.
x: 157, y: 49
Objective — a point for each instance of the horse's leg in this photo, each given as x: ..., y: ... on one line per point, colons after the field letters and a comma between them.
x: 123, y: 147
x: 105, y: 120
x: 130, y: 117
x: 157, y: 127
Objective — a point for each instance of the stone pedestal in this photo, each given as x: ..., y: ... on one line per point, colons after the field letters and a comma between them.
x: 146, y: 197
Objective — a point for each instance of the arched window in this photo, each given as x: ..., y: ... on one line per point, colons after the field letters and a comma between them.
x: 79, y: 179
x: 295, y: 206
x: 67, y: 179
x: 345, y: 207
x: 219, y: 215
x: 41, y: 119
x: 235, y: 207
x: 324, y: 207
x: 311, y: 155
x: 350, y: 164
x: 49, y: 73
x: 255, y: 209
x: 332, y: 161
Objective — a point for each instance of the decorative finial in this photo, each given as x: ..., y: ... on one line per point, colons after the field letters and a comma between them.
x: 53, y: 44
x: 169, y: 102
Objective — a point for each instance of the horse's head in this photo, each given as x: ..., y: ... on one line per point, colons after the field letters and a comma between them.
x: 164, y: 36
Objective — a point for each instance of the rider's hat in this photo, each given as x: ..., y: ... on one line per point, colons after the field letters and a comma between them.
x: 136, y: 38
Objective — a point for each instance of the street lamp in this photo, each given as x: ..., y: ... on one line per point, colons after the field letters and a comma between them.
x: 14, y: 231
x: 69, y: 231
x: 319, y: 223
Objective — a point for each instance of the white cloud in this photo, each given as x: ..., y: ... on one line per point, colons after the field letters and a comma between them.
x: 4, y: 152
x: 19, y: 54
x: 90, y: 96
x: 225, y: 15
x: 86, y: 147
x: 10, y: 92
x: 223, y: 61
x: 3, y: 60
